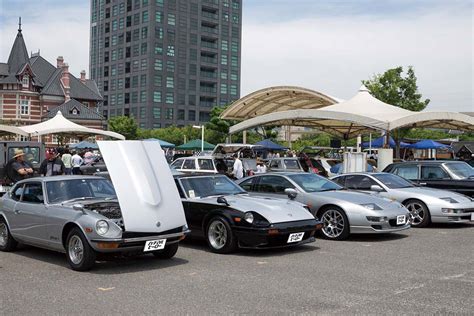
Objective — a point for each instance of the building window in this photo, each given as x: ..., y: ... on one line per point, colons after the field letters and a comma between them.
x: 192, y: 115
x: 156, y: 113
x: 143, y: 96
x: 180, y: 115
x: 25, y: 107
x: 223, y: 88
x: 234, y: 61
x: 224, y: 45
x: 224, y: 75
x: 158, y: 64
x: 169, y: 82
x: 158, y: 49
x: 224, y: 60
x: 169, y: 98
x: 25, y: 82
x: 171, y: 19
x: 233, y: 77
x: 158, y: 80
x: 169, y: 114
x: 170, y: 51
x: 158, y: 16
x: 157, y: 96
x: 170, y: 66
x: 233, y: 89
x: 159, y: 3
x: 144, y: 16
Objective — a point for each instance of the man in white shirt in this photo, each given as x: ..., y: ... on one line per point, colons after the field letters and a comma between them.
x: 76, y: 162
x: 238, y: 170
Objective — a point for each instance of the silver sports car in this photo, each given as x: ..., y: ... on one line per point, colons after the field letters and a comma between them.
x: 342, y: 212
x: 425, y: 204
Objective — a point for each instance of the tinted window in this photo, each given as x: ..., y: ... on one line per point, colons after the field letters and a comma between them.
x: 313, y: 183
x: 433, y: 172
x: 196, y: 187
x: 33, y: 193
x: 247, y: 185
x: 273, y: 184
x: 189, y: 164
x: 205, y: 164
x: 292, y: 164
x: 461, y: 169
x: 392, y: 181
x: 177, y: 164
x: 358, y: 182
x: 407, y: 172
x: 340, y: 180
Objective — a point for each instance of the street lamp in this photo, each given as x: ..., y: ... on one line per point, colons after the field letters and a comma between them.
x: 202, y: 135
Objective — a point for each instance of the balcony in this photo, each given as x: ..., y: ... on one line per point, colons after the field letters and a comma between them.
x: 208, y: 45
x: 209, y: 30
x: 208, y: 89
x: 210, y: 3
x: 209, y: 60
x: 207, y: 74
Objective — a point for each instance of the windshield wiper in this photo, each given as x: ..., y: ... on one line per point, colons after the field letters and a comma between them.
x: 82, y: 198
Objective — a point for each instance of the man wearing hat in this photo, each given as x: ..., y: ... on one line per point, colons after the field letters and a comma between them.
x: 52, y: 165
x: 20, y: 169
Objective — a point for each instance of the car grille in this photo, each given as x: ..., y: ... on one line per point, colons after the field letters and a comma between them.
x: 136, y: 235
x: 393, y: 223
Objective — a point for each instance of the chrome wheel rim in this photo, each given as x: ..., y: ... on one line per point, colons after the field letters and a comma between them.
x: 75, y: 249
x: 3, y: 234
x: 333, y: 223
x: 217, y: 234
x: 417, y: 213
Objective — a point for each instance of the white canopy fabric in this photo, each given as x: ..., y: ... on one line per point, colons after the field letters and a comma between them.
x: 61, y: 125
x: 7, y: 129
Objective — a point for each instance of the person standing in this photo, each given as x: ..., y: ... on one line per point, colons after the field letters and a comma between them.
x: 238, y: 170
x: 17, y: 168
x: 76, y: 162
x: 52, y: 165
x: 261, y: 167
x: 66, y: 158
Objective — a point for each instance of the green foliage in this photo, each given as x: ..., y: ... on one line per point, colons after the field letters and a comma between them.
x: 124, y: 125
x: 390, y: 87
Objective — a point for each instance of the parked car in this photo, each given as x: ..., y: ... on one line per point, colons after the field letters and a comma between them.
x: 84, y: 216
x: 227, y: 217
x: 342, y: 212
x: 284, y: 164
x: 451, y: 175
x: 425, y: 204
x: 200, y: 164
x: 97, y: 164
x: 34, y: 155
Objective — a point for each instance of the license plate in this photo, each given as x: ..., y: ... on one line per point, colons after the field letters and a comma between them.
x: 400, y: 219
x: 295, y: 237
x: 152, y: 245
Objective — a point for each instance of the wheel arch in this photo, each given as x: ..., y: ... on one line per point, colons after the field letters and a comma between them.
x: 329, y: 205
x: 67, y: 228
x: 215, y: 213
x: 2, y: 215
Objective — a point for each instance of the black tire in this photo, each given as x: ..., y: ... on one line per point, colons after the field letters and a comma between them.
x: 335, y: 223
x: 7, y: 242
x: 79, y: 262
x: 168, y: 252
x: 219, y: 236
x: 419, y: 213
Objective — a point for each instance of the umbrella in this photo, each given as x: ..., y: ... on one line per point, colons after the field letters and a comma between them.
x: 84, y: 144
x: 163, y: 144
x: 428, y: 144
x: 378, y: 143
x: 195, y: 144
x: 268, y: 144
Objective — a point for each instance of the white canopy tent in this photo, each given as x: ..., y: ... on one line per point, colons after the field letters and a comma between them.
x: 7, y: 130
x: 61, y: 125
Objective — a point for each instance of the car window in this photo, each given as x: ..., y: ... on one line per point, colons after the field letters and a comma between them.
x: 33, y: 193
x: 32, y: 154
x: 17, y: 192
x: 433, y: 172
x: 177, y: 164
x: 247, y: 185
x: 189, y: 164
x: 407, y: 172
x: 292, y: 164
x: 205, y: 164
x: 199, y: 187
x: 180, y: 190
x: 311, y: 182
x: 359, y: 182
x: 461, y: 169
x: 101, y: 189
x: 273, y: 184
x: 274, y: 164
x: 64, y: 190
x: 340, y: 180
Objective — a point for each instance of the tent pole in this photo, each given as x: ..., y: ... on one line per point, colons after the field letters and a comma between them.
x: 370, y: 143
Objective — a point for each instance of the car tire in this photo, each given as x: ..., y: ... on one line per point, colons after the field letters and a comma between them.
x: 168, y: 252
x: 79, y: 253
x: 415, y: 207
x: 219, y: 236
x: 335, y: 223
x: 7, y: 242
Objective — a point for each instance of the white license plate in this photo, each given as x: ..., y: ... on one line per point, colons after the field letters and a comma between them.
x: 472, y: 216
x: 400, y: 219
x: 295, y: 237
x: 152, y: 245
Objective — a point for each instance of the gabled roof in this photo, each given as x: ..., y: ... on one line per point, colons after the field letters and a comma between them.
x: 18, y: 54
x: 4, y: 69
x: 42, y: 69
x: 84, y: 113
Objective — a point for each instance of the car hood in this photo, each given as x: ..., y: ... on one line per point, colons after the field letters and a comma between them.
x: 274, y: 210
x: 148, y: 198
x: 358, y: 198
x: 437, y: 193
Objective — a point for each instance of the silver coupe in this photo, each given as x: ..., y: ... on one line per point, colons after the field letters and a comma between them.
x: 342, y: 212
x: 425, y: 204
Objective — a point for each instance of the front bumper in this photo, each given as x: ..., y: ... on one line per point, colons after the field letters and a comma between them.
x: 276, y: 236
x: 133, y: 244
x: 460, y: 215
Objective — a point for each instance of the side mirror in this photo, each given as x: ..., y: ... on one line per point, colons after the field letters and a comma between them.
x: 222, y: 200
x: 291, y: 193
x: 376, y: 188
x: 78, y: 207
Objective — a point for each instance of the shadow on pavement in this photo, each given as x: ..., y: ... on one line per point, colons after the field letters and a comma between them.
x: 112, y: 265
x: 449, y: 226
x: 374, y: 237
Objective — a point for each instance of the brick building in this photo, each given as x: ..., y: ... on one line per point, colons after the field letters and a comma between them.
x: 33, y: 90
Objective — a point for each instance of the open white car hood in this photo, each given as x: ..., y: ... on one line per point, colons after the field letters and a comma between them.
x: 148, y: 197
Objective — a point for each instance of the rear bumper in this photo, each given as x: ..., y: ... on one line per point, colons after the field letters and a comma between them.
x: 277, y: 235
x: 136, y: 244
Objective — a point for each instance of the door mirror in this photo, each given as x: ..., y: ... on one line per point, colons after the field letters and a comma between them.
x: 291, y: 193
x: 222, y: 200
x: 376, y: 188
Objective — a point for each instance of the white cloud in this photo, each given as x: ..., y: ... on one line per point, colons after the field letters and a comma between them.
x: 333, y: 54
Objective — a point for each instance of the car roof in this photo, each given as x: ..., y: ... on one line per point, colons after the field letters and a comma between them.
x: 425, y: 162
x: 361, y: 173
x: 197, y: 174
x: 59, y: 178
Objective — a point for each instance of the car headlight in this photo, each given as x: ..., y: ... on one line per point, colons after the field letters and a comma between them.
x: 451, y: 211
x: 248, y: 217
x: 372, y: 206
x: 102, y: 227
x: 449, y: 200
x: 377, y: 218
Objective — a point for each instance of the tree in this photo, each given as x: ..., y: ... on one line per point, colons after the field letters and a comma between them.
x: 390, y: 87
x: 124, y: 125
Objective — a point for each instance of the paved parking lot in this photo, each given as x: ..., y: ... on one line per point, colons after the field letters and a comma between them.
x: 418, y: 271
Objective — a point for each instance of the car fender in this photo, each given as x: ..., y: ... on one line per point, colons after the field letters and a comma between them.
x: 222, y: 213
x: 2, y: 214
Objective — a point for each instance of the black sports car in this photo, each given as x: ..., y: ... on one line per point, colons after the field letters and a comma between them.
x: 227, y: 217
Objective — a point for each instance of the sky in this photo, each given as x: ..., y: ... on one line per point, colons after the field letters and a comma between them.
x: 324, y: 45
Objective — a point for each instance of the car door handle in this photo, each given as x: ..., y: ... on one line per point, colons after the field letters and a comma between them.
x: 17, y: 211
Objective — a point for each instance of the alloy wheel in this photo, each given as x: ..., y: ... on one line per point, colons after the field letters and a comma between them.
x: 333, y: 223
x: 3, y: 234
x: 217, y: 234
x: 76, y: 249
x: 417, y: 212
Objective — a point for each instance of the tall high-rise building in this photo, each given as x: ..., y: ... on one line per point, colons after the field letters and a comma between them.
x: 165, y: 62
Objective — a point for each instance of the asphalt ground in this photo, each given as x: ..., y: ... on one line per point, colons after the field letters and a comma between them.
x: 418, y: 271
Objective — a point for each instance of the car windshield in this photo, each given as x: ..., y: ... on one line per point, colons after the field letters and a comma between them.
x: 311, y: 182
x: 292, y: 164
x: 199, y: 187
x: 77, y: 189
x: 393, y: 181
x: 460, y: 169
